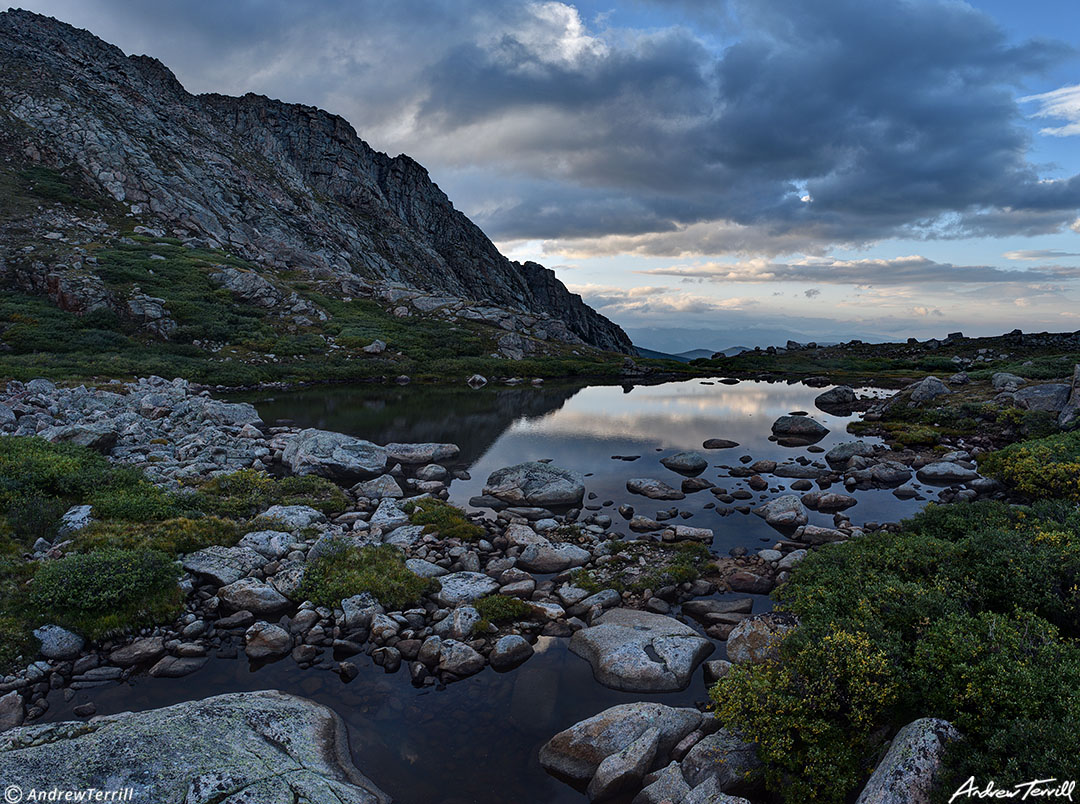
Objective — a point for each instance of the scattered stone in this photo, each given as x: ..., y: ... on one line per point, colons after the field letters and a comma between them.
x: 687, y: 463
x: 912, y: 766
x: 758, y: 638
x: 653, y: 489
x: 510, y: 651
x: 59, y: 643
x: 536, y: 483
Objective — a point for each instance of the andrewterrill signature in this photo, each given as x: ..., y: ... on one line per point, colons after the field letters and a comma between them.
x: 1036, y: 788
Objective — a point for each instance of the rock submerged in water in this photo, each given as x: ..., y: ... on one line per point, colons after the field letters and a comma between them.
x: 786, y: 511
x: 687, y: 463
x: 639, y: 651
x: 653, y: 489
x: 265, y: 747
x: 799, y: 428
x: 536, y: 483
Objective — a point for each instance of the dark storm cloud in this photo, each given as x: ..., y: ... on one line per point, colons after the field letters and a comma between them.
x: 815, y: 122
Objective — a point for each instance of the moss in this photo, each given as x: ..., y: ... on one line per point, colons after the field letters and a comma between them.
x: 443, y: 519
x: 344, y: 571
x: 665, y: 565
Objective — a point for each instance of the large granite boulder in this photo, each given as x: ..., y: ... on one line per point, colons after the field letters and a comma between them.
x: 944, y: 473
x: 723, y: 756
x: 576, y: 753
x: 841, y: 396
x: 59, y: 643
x: 1048, y: 397
x: 912, y: 766
x: 536, y: 483
x: 334, y: 455
x: 639, y: 651
x: 653, y: 489
x: 265, y: 747
x: 927, y: 389
x: 687, y: 463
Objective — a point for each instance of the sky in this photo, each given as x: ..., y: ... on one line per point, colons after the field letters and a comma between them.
x: 704, y: 173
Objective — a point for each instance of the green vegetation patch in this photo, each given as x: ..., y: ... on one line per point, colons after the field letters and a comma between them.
x: 248, y: 492
x: 104, y: 591
x: 442, y: 518
x: 500, y: 609
x: 970, y: 613
x: 344, y: 571
x: 172, y: 536
x: 665, y: 565
x: 1040, y: 469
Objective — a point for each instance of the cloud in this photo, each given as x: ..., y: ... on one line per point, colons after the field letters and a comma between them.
x: 906, y: 271
x: 1059, y: 104
x: 924, y: 312
x: 699, y: 136
x: 644, y: 302
x: 811, y: 293
x: 1039, y: 254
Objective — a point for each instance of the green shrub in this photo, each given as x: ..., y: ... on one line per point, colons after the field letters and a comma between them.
x: 248, y: 492
x: 499, y: 609
x: 1011, y: 686
x: 344, y: 571
x: 16, y: 642
x: 970, y: 612
x: 34, y: 515
x: 444, y: 519
x: 104, y: 591
x: 172, y: 536
x: 135, y: 500
x: 1040, y: 469
x: 811, y: 714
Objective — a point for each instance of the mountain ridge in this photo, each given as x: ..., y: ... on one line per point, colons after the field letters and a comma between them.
x: 286, y: 186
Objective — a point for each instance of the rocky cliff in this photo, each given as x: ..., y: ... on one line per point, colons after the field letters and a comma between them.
x: 279, y: 185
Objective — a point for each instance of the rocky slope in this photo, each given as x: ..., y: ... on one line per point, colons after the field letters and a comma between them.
x: 282, y: 186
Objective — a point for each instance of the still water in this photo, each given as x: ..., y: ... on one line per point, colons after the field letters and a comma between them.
x: 476, y: 741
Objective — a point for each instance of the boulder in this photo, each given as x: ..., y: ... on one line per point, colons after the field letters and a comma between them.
x: 376, y: 489
x: 576, y: 753
x: 176, y: 666
x: 251, y: 594
x: 333, y: 455
x: 800, y: 428
x: 708, y: 792
x: 722, y: 756
x: 663, y: 787
x: 639, y: 651
x: 464, y: 587
x: 838, y: 397
x: 719, y: 443
x: 59, y: 643
x: 12, y: 711
x: 422, y: 453
x: 536, y: 483
x: 265, y: 641
x: 927, y: 389
x: 842, y: 453
x: 141, y: 651
x: 786, y: 511
x: 510, y: 651
x: 687, y: 463
x: 74, y: 519
x: 458, y: 658
x: 1048, y: 397
x: 294, y: 517
x: 624, y: 770
x: 272, y: 544
x: 944, y: 473
x: 653, y: 489
x: 100, y: 437
x: 265, y: 747
x: 544, y: 556
x: 223, y: 565
x: 1003, y: 381
x: 912, y: 766
x: 758, y: 638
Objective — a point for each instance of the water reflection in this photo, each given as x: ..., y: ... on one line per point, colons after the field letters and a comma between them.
x: 582, y: 427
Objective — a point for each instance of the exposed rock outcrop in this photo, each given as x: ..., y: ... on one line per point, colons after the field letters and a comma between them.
x: 281, y: 185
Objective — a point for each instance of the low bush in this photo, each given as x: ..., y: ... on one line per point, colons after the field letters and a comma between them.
x: 1042, y: 468
x: 105, y: 591
x: 444, y: 519
x: 970, y: 613
x: 344, y: 571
